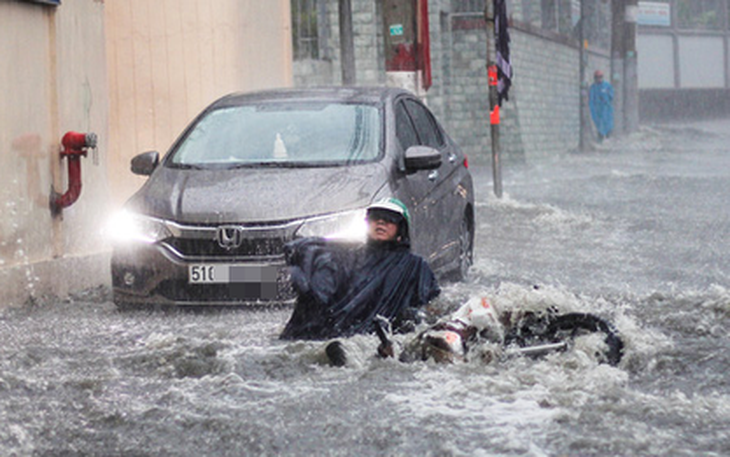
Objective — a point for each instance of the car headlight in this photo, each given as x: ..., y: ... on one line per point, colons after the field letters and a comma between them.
x: 346, y: 226
x: 127, y: 226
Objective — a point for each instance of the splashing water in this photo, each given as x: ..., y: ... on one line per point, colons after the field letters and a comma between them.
x: 633, y: 233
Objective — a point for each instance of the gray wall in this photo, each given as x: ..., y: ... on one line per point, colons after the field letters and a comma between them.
x: 683, y: 74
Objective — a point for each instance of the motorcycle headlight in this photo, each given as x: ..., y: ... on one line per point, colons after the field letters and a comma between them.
x: 126, y: 226
x: 347, y: 226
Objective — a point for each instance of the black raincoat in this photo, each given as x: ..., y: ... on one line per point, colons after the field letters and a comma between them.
x: 341, y: 289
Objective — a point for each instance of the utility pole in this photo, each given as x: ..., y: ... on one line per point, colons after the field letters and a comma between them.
x: 583, y: 136
x: 493, y: 100
x: 618, y: 13
x: 631, y: 74
x: 347, y: 43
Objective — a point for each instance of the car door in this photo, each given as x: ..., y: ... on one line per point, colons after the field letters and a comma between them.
x: 443, y: 209
x: 413, y: 187
x: 427, y: 190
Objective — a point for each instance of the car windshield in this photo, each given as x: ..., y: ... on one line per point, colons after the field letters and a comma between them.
x: 282, y: 134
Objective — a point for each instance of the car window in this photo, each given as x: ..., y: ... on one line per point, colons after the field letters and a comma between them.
x: 404, y: 127
x: 297, y: 134
x: 426, y: 126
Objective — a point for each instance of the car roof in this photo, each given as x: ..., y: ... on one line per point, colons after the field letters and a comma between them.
x: 344, y: 94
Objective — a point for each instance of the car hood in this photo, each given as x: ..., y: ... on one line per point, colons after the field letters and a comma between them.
x: 256, y: 194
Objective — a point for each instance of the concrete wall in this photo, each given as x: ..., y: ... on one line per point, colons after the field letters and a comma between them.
x: 542, y: 115
x: 53, y: 80
x: 132, y: 71
x: 169, y: 59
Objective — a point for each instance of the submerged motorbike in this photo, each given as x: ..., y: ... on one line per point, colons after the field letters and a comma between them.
x: 477, y: 324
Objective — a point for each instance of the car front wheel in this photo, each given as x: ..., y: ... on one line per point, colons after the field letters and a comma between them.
x: 466, y: 248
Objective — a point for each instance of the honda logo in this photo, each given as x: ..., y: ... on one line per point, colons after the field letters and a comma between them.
x: 229, y: 236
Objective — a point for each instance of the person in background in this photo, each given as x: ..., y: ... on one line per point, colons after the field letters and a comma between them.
x: 344, y: 290
x: 600, y: 101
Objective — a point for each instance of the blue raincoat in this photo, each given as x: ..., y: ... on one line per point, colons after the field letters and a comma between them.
x: 601, y: 104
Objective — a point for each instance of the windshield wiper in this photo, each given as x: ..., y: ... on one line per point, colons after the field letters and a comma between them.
x: 186, y: 166
x: 298, y: 164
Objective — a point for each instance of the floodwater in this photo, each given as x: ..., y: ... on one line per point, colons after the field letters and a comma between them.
x: 635, y: 231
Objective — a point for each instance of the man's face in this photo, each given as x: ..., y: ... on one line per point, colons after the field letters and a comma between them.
x: 381, y: 228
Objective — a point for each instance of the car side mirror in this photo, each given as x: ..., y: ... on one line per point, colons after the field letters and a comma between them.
x: 422, y: 158
x: 144, y: 164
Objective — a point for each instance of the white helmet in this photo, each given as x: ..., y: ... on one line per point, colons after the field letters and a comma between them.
x: 394, y: 205
x: 397, y: 208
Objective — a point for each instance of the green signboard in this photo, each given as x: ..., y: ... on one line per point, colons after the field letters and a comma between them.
x: 396, y: 30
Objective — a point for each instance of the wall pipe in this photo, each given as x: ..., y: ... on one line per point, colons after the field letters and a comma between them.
x: 75, y: 146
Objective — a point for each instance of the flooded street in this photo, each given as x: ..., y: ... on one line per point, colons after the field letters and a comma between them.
x: 635, y: 232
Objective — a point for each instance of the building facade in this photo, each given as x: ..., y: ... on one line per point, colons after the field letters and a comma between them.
x: 542, y: 116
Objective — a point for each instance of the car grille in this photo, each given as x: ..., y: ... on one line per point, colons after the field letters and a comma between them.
x: 260, y: 247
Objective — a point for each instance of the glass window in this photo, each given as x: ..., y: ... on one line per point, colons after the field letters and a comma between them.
x: 282, y: 134
x: 404, y: 129
x: 700, y: 14
x: 469, y: 6
x: 426, y: 127
x: 559, y: 16
x: 597, y: 23
x: 527, y: 12
x: 305, y: 34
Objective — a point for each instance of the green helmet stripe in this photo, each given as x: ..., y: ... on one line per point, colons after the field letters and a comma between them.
x: 402, y: 205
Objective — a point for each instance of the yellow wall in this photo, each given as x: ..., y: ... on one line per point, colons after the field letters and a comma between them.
x: 168, y: 59
x: 132, y: 71
x: 53, y: 80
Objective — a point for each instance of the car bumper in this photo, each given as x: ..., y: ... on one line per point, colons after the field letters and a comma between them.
x: 155, y: 275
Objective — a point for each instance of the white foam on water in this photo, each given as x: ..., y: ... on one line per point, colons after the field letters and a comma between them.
x: 15, y: 440
x: 467, y: 406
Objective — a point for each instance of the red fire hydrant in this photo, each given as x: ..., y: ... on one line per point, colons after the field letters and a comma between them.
x: 75, y: 146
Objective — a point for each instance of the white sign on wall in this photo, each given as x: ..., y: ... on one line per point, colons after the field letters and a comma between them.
x: 654, y: 13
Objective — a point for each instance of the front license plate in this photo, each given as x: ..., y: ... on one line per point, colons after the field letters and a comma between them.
x: 227, y: 274
x: 241, y: 281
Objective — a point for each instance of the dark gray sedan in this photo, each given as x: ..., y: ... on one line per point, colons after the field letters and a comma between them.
x: 254, y: 171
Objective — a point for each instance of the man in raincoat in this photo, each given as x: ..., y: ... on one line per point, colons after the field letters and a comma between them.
x: 600, y: 101
x: 343, y: 290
